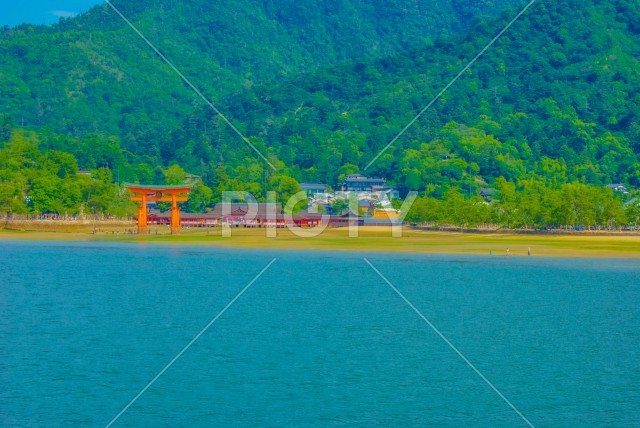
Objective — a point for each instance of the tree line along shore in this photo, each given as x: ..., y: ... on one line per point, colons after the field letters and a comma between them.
x: 547, y: 121
x: 42, y: 184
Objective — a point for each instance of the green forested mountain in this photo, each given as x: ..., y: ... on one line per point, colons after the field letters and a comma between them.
x: 321, y: 89
x: 565, y: 101
x: 94, y: 74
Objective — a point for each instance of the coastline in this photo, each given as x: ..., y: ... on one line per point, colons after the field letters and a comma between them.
x: 370, y: 239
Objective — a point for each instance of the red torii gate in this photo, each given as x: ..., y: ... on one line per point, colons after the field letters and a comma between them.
x: 159, y: 193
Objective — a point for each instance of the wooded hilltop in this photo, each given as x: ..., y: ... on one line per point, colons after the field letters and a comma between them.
x: 546, y: 118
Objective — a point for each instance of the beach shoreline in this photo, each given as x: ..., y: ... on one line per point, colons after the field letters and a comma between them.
x: 370, y: 239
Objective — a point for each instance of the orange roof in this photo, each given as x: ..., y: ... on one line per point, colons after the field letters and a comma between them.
x: 158, y: 187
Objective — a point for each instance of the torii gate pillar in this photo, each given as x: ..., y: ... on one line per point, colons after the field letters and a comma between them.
x: 151, y: 193
x: 175, y: 215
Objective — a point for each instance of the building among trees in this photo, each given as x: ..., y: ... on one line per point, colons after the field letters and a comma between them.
x: 312, y: 188
x: 360, y: 183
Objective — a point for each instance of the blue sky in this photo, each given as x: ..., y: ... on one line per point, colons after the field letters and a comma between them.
x: 14, y: 12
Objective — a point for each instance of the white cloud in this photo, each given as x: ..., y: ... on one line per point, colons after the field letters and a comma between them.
x: 63, y: 13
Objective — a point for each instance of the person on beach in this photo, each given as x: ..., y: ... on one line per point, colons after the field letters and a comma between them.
x: 507, y: 251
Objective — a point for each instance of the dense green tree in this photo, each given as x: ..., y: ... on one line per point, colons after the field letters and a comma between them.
x: 11, y: 199
x: 36, y: 182
x: 340, y: 206
x: 199, y: 198
x: 174, y: 175
x: 285, y: 187
x: 101, y: 195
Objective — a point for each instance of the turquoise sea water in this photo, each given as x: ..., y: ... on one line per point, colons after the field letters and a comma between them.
x: 318, y: 340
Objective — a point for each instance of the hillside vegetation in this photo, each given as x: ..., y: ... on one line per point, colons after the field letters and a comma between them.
x: 94, y: 74
x: 552, y: 107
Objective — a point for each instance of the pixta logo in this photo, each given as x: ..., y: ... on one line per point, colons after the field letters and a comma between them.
x: 241, y: 208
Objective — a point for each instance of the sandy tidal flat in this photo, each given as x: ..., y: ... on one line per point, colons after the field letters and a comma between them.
x: 375, y: 239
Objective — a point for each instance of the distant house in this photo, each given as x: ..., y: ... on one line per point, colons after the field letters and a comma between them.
x: 320, y: 205
x: 312, y: 188
x: 347, y: 219
x: 365, y: 206
x: 386, y: 192
x: 386, y: 213
x: 192, y: 178
x: 360, y: 183
x: 247, y: 214
x: 487, y: 194
x: 617, y: 187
